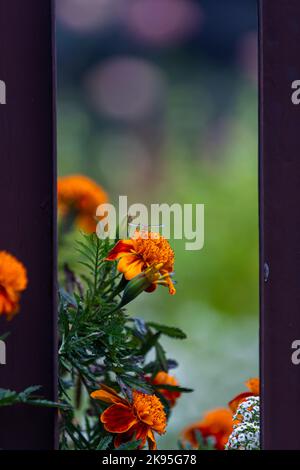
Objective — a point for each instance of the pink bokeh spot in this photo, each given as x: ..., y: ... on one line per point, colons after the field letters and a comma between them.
x: 87, y: 15
x: 163, y: 22
x: 125, y: 88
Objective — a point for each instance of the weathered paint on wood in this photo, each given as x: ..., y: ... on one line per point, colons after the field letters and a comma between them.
x: 28, y: 213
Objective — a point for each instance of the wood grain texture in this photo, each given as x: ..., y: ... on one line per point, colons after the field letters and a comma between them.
x: 280, y: 222
x: 28, y: 213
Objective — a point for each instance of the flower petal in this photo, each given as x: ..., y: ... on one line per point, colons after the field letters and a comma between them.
x: 151, y: 440
x: 107, y: 395
x: 123, y: 247
x: 126, y: 261
x: 141, y: 433
x: 131, y: 266
x: 118, y: 418
x: 124, y: 437
x: 235, y: 402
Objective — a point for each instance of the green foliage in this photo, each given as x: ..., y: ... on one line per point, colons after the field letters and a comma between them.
x: 9, y: 397
x: 168, y: 331
x: 101, y: 343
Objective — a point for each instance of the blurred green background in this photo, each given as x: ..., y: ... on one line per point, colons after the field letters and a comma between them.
x: 158, y: 101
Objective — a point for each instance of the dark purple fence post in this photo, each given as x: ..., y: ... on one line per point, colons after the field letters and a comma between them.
x: 280, y: 222
x: 28, y: 213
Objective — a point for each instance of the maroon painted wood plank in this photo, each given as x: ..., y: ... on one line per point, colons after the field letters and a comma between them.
x: 280, y: 222
x: 28, y: 213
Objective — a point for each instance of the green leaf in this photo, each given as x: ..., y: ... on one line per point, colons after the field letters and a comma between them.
x: 7, y: 397
x: 28, y: 391
x: 104, y: 443
x: 170, y: 331
x: 173, y: 388
x: 47, y: 404
x: 161, y: 357
x: 132, y: 445
x: 149, y: 343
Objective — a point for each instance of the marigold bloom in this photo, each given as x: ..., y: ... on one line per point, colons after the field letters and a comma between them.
x: 13, y: 280
x: 138, y: 419
x: 216, y: 423
x: 162, y: 378
x: 142, y: 251
x: 253, y: 387
x: 80, y: 196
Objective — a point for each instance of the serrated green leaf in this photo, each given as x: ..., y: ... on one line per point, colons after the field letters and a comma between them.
x: 161, y: 357
x: 132, y: 445
x: 104, y: 443
x: 173, y: 388
x: 170, y: 331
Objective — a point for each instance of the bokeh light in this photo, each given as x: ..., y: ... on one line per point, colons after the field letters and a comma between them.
x: 126, y: 88
x: 85, y: 15
x: 163, y: 22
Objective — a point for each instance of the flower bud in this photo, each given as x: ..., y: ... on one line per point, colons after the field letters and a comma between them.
x: 139, y: 284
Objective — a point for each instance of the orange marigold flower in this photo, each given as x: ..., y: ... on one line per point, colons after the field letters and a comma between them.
x: 13, y: 280
x: 162, y: 378
x: 80, y: 196
x: 138, y: 419
x: 216, y: 423
x: 253, y: 387
x: 145, y: 249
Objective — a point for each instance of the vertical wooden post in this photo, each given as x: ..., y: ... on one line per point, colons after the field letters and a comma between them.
x: 28, y: 213
x: 280, y: 222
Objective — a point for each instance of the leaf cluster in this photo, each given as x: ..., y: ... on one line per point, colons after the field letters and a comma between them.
x: 101, y: 343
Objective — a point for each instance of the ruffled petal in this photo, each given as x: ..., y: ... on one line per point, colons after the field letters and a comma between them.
x: 122, y: 248
x: 124, y: 437
x: 118, y: 418
x: 126, y: 261
x: 107, y: 395
x: 138, y: 432
x: 236, y: 401
x: 141, y: 433
x: 151, y: 440
x: 130, y: 267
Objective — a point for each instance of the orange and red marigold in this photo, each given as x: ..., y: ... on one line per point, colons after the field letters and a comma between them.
x: 13, y: 280
x: 137, y: 419
x: 216, y: 424
x: 219, y: 423
x: 161, y: 379
x: 143, y: 251
x: 253, y: 387
x: 79, y: 197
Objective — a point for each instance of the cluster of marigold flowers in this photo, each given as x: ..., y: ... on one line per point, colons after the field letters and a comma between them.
x: 140, y: 417
x: 218, y: 424
x: 148, y: 257
x: 143, y: 416
x: 147, y: 254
